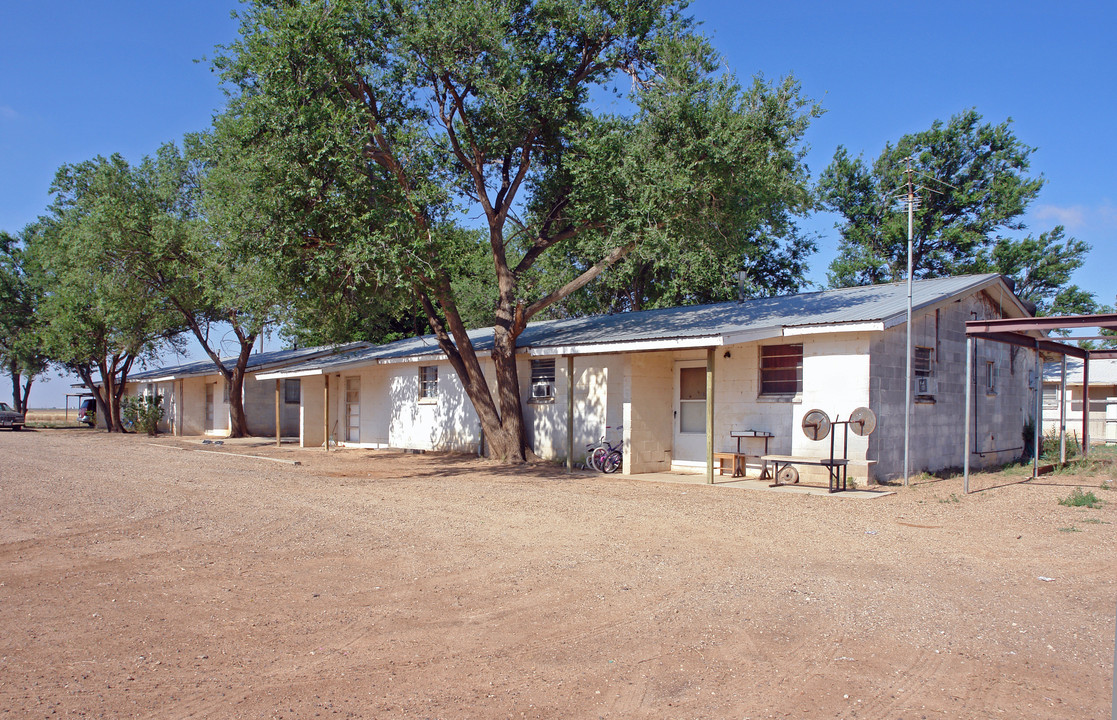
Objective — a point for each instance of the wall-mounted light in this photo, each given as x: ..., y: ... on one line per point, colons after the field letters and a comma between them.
x: 726, y: 354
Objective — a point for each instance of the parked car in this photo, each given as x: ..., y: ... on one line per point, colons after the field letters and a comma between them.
x: 87, y: 412
x: 9, y: 418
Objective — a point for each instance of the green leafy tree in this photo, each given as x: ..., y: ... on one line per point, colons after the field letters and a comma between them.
x: 216, y: 270
x: 976, y: 185
x: 97, y: 318
x: 380, y: 123
x: 191, y: 252
x: 1041, y: 268
x: 21, y: 352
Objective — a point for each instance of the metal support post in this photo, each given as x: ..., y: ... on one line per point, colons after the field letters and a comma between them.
x: 1036, y: 434
x: 1086, y: 407
x: 1063, y: 412
x: 969, y: 412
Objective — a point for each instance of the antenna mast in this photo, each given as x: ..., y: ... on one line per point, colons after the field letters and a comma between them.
x: 907, y: 375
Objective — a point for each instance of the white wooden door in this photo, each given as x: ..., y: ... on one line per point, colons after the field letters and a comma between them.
x: 210, y: 388
x: 353, y: 409
x: 690, y: 413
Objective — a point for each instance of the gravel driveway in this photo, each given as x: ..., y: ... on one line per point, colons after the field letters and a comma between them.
x: 141, y: 578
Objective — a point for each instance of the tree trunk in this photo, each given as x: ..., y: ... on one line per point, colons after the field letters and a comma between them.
x: 118, y: 389
x: 26, y: 393
x: 86, y: 376
x: 13, y: 370
x: 238, y: 420
x: 234, y: 378
x: 512, y: 432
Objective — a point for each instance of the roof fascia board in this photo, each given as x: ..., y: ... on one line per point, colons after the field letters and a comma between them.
x: 282, y: 375
x: 434, y: 357
x: 605, y: 348
x: 870, y: 326
x: 161, y: 378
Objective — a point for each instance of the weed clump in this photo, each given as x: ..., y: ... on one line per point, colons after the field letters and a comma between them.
x: 1078, y: 498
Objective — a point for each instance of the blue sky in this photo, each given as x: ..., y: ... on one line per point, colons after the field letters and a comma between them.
x: 78, y: 79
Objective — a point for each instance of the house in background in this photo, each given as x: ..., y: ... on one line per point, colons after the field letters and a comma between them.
x: 640, y: 378
x: 1102, y: 421
x: 195, y: 397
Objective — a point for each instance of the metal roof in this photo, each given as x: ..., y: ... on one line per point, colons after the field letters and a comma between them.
x: 699, y: 325
x: 257, y: 362
x: 1102, y: 372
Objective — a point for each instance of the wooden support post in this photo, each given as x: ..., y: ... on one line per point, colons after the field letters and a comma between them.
x: 570, y: 413
x: 277, y: 427
x: 710, y: 416
x: 969, y: 412
x: 326, y: 414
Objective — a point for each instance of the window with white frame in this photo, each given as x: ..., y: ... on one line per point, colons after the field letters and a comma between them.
x: 428, y: 382
x: 542, y: 381
x: 292, y: 389
x: 990, y: 376
x: 781, y: 369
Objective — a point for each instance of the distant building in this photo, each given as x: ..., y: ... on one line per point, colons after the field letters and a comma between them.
x: 1102, y: 421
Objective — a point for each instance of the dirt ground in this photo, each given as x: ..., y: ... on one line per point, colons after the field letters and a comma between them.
x: 143, y: 578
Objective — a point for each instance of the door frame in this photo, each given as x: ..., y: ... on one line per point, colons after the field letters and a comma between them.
x: 688, y: 449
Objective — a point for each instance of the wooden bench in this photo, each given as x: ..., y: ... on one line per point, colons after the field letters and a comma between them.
x: 738, y: 460
x: 836, y: 468
x: 735, y: 460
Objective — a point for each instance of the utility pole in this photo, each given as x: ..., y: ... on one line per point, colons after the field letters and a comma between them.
x: 907, y: 374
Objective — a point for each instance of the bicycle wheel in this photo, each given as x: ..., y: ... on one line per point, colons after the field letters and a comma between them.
x: 597, y: 458
x: 612, y: 462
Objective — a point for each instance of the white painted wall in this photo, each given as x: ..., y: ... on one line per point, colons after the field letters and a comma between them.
x: 446, y: 422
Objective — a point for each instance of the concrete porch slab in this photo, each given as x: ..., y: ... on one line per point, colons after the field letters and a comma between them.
x: 860, y: 493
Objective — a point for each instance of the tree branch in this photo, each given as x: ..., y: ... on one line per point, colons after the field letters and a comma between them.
x: 577, y: 283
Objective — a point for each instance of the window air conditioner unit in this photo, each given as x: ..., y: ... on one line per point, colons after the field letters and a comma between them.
x: 541, y: 390
x: 925, y: 386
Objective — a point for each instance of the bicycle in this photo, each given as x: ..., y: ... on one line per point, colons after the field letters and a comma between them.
x: 605, y: 457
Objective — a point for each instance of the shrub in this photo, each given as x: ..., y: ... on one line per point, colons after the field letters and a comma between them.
x: 143, y: 413
x: 1077, y: 498
x: 1050, y: 446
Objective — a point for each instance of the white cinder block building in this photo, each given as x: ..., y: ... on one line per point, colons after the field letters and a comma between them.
x: 1102, y: 405
x: 196, y: 402
x: 772, y: 360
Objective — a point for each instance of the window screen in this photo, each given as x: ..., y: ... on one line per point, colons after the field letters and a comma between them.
x: 781, y: 369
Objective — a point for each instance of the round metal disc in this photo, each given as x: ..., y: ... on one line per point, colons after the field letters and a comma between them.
x: 788, y: 476
x: 816, y: 425
x: 863, y: 421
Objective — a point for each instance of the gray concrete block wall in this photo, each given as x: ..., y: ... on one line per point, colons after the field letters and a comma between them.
x: 937, y: 428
